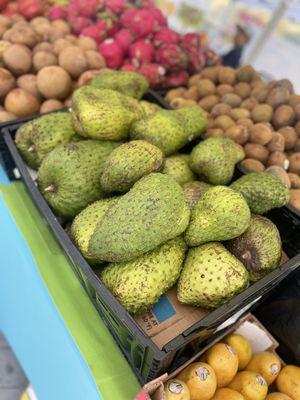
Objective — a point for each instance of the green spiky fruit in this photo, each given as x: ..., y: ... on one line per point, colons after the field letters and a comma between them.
x: 128, y: 163
x: 220, y: 214
x: 126, y: 82
x: 259, y: 248
x: 193, y: 119
x: 262, y: 191
x: 138, y: 284
x: 149, y: 108
x: 214, y: 160
x: 194, y: 191
x: 69, y: 176
x: 104, y: 114
x: 85, y: 223
x: 37, y: 138
x: 211, y: 276
x: 177, y: 166
x: 151, y: 213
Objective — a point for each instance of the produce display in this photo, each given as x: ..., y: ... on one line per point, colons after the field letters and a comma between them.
x: 263, y: 117
x: 230, y: 370
x: 145, y: 208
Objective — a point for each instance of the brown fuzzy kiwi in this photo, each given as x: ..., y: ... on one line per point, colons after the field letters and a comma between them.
x: 232, y: 99
x: 95, y: 60
x: 210, y: 123
x: 61, y: 25
x: 3, y: 28
x: 68, y: 102
x: 73, y: 60
x: 226, y: 75
x: 7, y: 82
x: 71, y: 38
x: 245, y: 73
x: 7, y: 116
x: 252, y: 165
x: 294, y: 100
x: 21, y: 103
x: 249, y: 103
x: 28, y: 82
x: 280, y: 173
x: 191, y: 93
x: 86, y: 43
x: 179, y: 102
x: 290, y: 136
x: 173, y: 93
x: 43, y: 46
x: 242, y: 89
x: 260, y: 93
x: 56, y: 33
x: 224, y: 122
x: 54, y: 82
x: 210, y: 73
x: 294, y: 163
x: 208, y: 102
x: 286, y: 83
x: 51, y: 105
x: 262, y: 113
x: 295, y: 180
x: 284, y: 115
x: 223, y: 89
x: 247, y: 122
x: 87, y: 76
x: 205, y: 88
x: 256, y: 151
x: 25, y: 35
x: 193, y: 80
x: 297, y: 128
x: 17, y: 58
x: 277, y: 143
x: 44, y: 30
x: 278, y: 158
x: 238, y: 133
x: 7, y: 35
x: 297, y: 111
x: 238, y: 113
x: 42, y: 59
x: 260, y: 134
x: 297, y: 145
x: 220, y: 109
x: 38, y: 21
x: 295, y: 198
x: 59, y: 45
x: 214, y: 132
x: 277, y: 96
x: 5, y: 21
x: 4, y: 44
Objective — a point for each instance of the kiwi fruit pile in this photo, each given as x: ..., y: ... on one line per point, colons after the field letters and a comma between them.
x: 41, y: 64
x: 263, y: 117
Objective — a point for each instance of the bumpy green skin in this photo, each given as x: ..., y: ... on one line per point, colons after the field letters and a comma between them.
x: 128, y: 163
x: 161, y: 129
x: 177, y: 166
x: 104, y: 114
x: 69, y: 176
x: 85, y: 223
x: 149, y: 108
x: 193, y: 119
x: 220, y: 214
x: 211, y: 276
x: 259, y: 248
x: 138, y: 284
x: 37, y: 138
x: 193, y: 191
x: 151, y: 213
x: 126, y: 82
x: 262, y: 191
x: 214, y: 160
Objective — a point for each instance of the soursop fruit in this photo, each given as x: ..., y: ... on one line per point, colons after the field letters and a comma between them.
x: 151, y: 213
x: 214, y: 160
x: 177, y: 166
x: 84, y: 225
x: 193, y: 118
x: 126, y: 82
x: 211, y: 276
x: 220, y: 214
x: 128, y: 163
x: 138, y: 284
x: 104, y: 114
x: 193, y: 191
x: 258, y: 248
x: 262, y: 191
x: 35, y: 139
x: 149, y: 108
x: 69, y: 176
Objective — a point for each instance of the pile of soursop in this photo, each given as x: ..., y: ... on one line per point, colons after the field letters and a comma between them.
x: 146, y: 214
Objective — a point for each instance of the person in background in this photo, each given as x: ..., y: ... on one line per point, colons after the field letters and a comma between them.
x: 233, y: 57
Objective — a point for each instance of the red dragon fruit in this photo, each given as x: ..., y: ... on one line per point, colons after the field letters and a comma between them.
x: 124, y: 38
x: 142, y: 23
x: 127, y: 17
x: 212, y: 58
x: 57, y: 12
x: 190, y: 42
x: 171, y: 57
x: 142, y: 51
x: 177, y: 79
x: 112, y: 53
x: 94, y: 32
x: 116, y: 6
x: 30, y: 8
x: 128, y: 66
x: 11, y: 9
x: 110, y: 20
x: 154, y: 73
x: 196, y: 61
x: 79, y: 23
x: 144, y: 4
x: 166, y: 35
x: 84, y: 8
x: 160, y: 19
x: 3, y: 4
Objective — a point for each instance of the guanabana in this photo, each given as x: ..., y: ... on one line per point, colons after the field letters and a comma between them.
x: 214, y: 159
x: 149, y: 108
x: 258, y: 248
x: 193, y: 118
x: 138, y: 284
x: 69, y: 176
x: 193, y: 191
x: 126, y: 82
x: 36, y: 138
x: 220, y: 214
x: 85, y: 223
x: 211, y: 276
x: 177, y: 166
x: 151, y: 213
x: 128, y: 163
x: 262, y: 191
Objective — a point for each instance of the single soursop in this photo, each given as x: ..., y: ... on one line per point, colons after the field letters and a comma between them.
x: 194, y: 191
x: 177, y: 166
x: 149, y: 108
x: 193, y: 118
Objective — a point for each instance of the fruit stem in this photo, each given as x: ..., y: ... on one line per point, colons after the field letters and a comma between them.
x: 31, y: 149
x: 50, y: 188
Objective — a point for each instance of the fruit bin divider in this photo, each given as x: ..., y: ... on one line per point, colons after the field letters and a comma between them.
x: 146, y: 359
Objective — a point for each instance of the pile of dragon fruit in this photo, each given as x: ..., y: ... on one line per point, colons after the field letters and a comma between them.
x: 136, y: 37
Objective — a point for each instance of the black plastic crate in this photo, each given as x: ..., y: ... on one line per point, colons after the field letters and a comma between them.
x: 146, y: 359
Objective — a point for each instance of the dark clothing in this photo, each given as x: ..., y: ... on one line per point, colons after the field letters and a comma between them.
x: 232, y: 59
